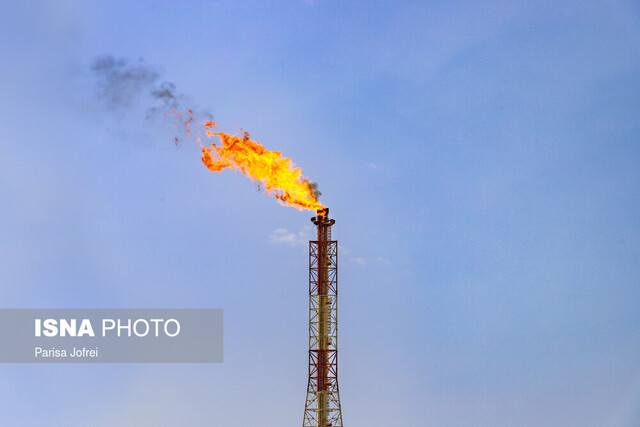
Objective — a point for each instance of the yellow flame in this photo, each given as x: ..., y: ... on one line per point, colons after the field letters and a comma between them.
x: 278, y: 175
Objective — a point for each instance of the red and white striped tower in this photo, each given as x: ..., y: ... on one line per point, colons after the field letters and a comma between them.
x: 322, y: 408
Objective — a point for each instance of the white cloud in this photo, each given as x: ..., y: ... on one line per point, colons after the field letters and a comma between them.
x: 360, y: 261
x: 284, y: 236
x: 383, y: 260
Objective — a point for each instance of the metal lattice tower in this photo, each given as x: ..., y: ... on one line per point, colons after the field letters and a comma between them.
x: 322, y: 408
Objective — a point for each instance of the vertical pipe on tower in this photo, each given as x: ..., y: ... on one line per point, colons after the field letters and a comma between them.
x: 322, y: 407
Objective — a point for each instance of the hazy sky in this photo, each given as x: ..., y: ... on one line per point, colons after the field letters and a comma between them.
x: 481, y: 159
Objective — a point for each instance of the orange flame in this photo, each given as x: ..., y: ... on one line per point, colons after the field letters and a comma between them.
x: 278, y: 175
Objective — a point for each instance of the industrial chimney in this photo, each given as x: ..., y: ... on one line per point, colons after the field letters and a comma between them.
x: 322, y: 408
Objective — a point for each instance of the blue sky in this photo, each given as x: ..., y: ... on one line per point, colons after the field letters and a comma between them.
x: 481, y: 161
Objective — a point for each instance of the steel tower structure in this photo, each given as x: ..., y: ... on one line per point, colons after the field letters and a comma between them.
x: 322, y: 408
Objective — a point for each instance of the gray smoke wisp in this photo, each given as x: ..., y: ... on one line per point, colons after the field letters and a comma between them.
x: 122, y: 85
x: 313, y: 186
x: 119, y: 84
